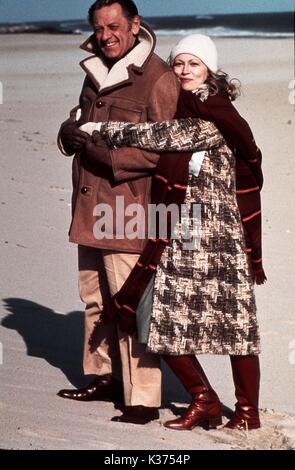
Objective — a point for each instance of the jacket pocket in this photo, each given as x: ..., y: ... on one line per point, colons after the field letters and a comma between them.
x: 117, y: 113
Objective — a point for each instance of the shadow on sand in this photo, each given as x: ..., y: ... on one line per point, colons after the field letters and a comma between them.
x: 49, y: 335
x: 59, y: 338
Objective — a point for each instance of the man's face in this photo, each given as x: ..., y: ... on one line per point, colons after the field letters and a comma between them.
x: 115, y: 35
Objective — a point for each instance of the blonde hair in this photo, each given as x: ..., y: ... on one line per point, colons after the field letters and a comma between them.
x: 220, y: 82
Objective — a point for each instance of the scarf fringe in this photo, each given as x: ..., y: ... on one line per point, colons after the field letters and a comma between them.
x: 259, y: 276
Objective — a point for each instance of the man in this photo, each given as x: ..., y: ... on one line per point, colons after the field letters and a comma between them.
x: 125, y: 81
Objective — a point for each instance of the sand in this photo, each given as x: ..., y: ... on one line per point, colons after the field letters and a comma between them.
x: 41, y: 314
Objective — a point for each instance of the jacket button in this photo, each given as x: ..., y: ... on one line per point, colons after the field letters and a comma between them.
x: 99, y: 104
x: 84, y: 190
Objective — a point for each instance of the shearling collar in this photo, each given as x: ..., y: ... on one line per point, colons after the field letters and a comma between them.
x: 120, y: 72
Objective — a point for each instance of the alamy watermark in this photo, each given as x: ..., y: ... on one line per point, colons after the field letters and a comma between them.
x: 1, y: 92
x: 292, y: 352
x: 131, y: 222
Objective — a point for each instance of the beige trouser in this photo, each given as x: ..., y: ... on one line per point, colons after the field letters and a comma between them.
x: 101, y: 274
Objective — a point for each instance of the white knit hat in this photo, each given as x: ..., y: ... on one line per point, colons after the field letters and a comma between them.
x: 199, y: 45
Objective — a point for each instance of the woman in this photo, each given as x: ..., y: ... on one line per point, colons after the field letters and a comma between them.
x: 203, y: 300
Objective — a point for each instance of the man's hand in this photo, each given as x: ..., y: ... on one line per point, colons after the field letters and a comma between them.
x: 97, y: 150
x: 72, y: 137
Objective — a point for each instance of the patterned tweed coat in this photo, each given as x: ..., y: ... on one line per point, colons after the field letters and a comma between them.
x: 203, y: 296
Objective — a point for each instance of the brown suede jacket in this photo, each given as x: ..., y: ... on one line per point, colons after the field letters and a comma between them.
x: 138, y: 88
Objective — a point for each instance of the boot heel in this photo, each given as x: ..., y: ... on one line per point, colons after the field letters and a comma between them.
x: 212, y: 423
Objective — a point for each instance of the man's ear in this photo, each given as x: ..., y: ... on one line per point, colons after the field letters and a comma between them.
x: 135, y: 25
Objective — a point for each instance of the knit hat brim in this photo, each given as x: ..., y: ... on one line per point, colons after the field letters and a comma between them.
x: 200, y: 46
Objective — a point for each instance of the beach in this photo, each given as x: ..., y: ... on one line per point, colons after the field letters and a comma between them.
x: 41, y: 314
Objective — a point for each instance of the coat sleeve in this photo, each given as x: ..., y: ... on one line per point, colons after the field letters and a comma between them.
x: 178, y: 135
x: 130, y: 163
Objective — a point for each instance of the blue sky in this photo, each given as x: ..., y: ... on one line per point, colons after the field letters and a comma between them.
x: 34, y: 10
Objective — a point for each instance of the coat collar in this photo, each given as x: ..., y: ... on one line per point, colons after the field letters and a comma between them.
x: 120, y: 72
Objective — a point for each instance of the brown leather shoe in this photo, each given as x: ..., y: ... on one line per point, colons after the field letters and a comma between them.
x: 102, y: 388
x: 137, y: 415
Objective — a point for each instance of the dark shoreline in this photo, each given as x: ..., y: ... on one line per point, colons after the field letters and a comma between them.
x: 250, y: 24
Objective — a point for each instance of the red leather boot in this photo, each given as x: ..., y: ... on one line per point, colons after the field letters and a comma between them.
x: 205, y: 408
x: 246, y: 375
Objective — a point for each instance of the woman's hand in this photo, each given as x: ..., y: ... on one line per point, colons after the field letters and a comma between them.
x: 90, y: 127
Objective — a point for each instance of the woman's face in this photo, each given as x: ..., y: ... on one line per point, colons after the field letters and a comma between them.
x: 190, y: 70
